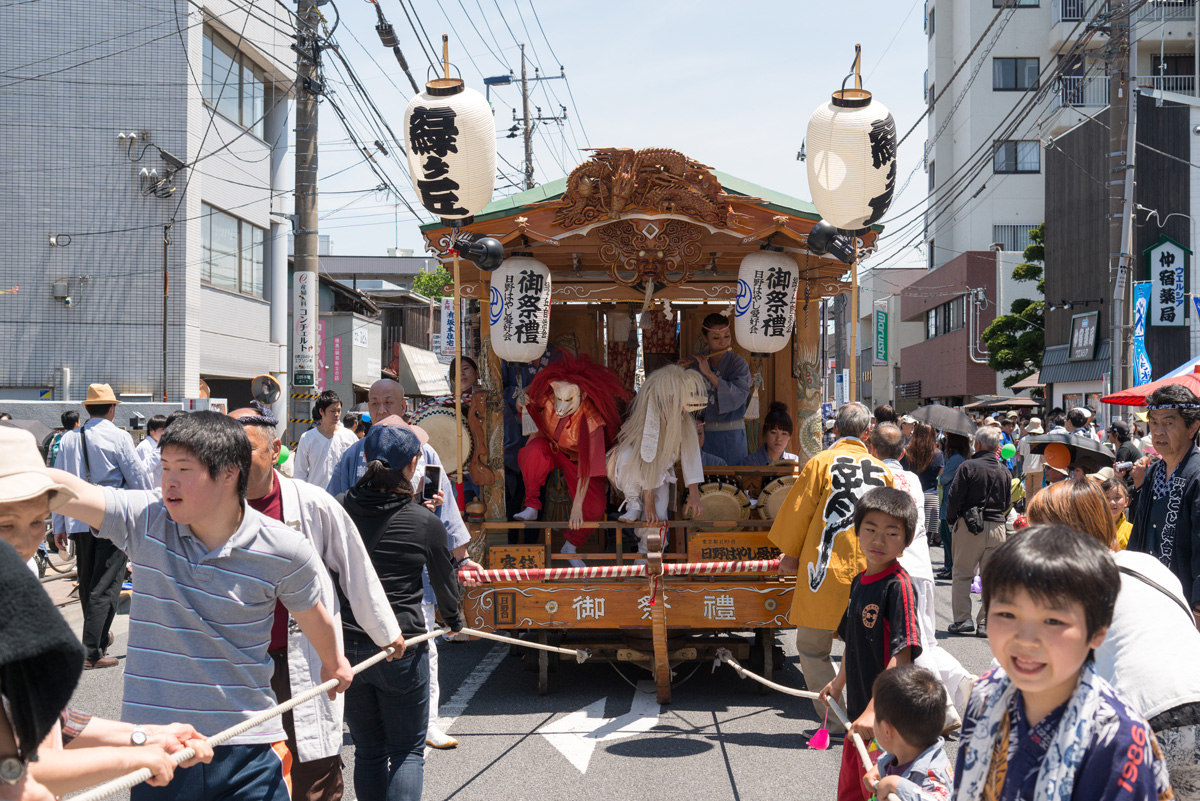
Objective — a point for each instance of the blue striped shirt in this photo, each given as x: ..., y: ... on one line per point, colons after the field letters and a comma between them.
x: 200, y: 621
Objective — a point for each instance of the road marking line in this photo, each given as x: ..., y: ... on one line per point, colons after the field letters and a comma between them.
x: 457, y: 704
x: 576, y: 734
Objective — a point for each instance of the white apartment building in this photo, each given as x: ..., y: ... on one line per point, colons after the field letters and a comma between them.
x: 130, y: 118
x: 1003, y: 199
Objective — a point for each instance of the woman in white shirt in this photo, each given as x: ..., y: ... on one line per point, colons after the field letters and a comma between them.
x: 322, y: 447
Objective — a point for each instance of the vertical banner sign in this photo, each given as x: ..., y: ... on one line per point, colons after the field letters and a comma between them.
x: 322, y: 361
x: 304, y: 338
x: 448, y: 326
x: 337, y: 360
x: 881, y: 334
x: 1167, y: 265
x: 1196, y: 300
x: 1141, y: 359
x: 839, y: 388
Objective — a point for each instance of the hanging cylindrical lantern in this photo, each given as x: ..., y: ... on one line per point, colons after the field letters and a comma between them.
x: 851, y: 146
x: 765, y: 311
x: 450, y: 136
x: 519, y: 309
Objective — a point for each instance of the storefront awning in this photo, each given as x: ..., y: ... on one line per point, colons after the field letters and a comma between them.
x: 419, y: 371
x: 1058, y: 369
x: 1028, y: 382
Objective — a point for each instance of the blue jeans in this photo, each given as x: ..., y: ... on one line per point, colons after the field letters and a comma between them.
x: 387, y: 709
x: 236, y: 771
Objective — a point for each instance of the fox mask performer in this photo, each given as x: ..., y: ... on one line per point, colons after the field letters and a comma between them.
x: 574, y: 403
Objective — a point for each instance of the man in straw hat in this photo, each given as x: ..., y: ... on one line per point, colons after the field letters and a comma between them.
x: 104, y: 455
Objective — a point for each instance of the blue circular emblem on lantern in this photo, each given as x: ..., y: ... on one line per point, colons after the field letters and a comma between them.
x: 495, y: 306
x: 742, y: 305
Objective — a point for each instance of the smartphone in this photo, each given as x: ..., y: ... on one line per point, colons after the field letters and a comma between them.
x: 433, y: 482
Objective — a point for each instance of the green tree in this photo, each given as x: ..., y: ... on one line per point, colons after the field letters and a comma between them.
x: 1016, y: 341
x: 431, y: 284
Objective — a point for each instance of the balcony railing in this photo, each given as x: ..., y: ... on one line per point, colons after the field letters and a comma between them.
x: 1152, y: 11
x: 1165, y: 11
x: 1068, y: 10
x: 1082, y: 91
x: 1183, y: 84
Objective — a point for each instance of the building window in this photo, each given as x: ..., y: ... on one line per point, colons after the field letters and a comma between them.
x: 931, y: 259
x: 932, y: 174
x: 1014, y: 236
x: 231, y: 252
x: 233, y: 86
x: 925, y: 87
x: 1015, y: 3
x: 946, y: 318
x: 1017, y: 156
x: 1014, y: 74
x: 931, y: 20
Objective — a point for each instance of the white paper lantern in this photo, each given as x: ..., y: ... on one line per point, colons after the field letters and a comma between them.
x: 519, y: 309
x: 851, y: 161
x: 765, y: 311
x: 450, y: 136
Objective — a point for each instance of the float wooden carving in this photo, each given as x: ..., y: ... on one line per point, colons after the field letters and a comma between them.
x: 621, y: 181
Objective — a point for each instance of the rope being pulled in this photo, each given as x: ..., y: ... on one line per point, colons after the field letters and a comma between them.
x: 619, y: 571
x: 179, y: 757
x: 581, y: 655
x: 723, y: 655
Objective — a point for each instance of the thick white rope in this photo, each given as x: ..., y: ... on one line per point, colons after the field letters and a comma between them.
x: 723, y: 655
x: 137, y: 777
x: 581, y: 655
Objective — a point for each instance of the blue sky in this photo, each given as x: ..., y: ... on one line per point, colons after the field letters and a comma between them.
x: 729, y: 84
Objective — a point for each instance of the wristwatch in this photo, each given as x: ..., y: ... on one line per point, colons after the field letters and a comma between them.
x: 138, y: 736
x: 12, y: 770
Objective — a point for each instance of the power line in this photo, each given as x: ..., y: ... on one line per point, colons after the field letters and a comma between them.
x: 975, y: 163
x: 567, y: 81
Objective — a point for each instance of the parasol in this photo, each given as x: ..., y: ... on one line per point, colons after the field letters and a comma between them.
x: 952, y: 421
x: 40, y: 430
x: 1136, y: 396
x: 1084, y: 452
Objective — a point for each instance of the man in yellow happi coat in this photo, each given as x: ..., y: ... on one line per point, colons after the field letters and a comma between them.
x: 815, y: 531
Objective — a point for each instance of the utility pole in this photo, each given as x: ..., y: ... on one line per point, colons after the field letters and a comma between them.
x: 527, y: 128
x: 1122, y: 127
x: 528, y: 121
x: 306, y: 297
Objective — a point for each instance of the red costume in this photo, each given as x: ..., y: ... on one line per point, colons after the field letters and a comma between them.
x: 576, y: 442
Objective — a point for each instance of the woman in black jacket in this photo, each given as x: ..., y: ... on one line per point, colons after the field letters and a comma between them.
x: 387, y: 706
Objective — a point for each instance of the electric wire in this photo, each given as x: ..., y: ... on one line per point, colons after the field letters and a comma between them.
x: 566, y: 81
x: 973, y: 165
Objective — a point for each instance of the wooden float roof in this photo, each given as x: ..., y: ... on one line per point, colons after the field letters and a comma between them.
x: 626, y: 217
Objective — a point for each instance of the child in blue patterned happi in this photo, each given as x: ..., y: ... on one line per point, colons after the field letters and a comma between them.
x: 910, y: 712
x: 1044, y: 724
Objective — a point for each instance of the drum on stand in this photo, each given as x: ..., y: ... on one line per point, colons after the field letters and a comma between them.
x: 771, y: 499
x: 723, y: 499
x: 438, y: 423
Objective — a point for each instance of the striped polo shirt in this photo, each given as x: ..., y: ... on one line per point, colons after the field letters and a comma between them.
x: 200, y: 621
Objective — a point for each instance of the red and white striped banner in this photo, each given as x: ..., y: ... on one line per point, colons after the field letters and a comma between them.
x: 619, y: 571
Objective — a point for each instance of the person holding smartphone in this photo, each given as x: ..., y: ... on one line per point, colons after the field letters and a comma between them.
x: 389, y: 712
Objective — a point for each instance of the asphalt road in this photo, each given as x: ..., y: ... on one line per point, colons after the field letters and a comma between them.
x: 719, y: 738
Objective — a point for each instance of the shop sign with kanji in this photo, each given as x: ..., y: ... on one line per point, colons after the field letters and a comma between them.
x: 1166, y: 264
